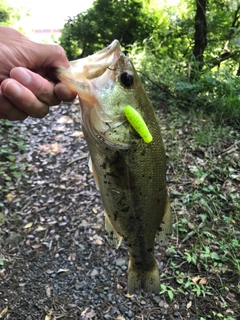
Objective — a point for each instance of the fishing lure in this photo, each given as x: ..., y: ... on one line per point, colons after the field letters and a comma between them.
x: 137, y: 122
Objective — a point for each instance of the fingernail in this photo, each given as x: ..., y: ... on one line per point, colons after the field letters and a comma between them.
x: 12, y: 90
x: 21, y: 75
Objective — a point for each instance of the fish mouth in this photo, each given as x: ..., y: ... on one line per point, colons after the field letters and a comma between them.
x: 95, y: 65
x: 82, y: 72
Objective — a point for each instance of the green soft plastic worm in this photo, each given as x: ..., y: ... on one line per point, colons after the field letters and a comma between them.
x: 137, y: 122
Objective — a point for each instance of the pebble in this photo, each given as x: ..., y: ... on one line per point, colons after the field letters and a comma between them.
x: 123, y: 309
x: 80, y: 285
x: 130, y: 314
x: 120, y: 262
x: 191, y: 296
x: 94, y: 273
x: 161, y: 304
x: 183, y: 306
x: 124, y: 268
x: 168, y: 254
x: 157, y: 299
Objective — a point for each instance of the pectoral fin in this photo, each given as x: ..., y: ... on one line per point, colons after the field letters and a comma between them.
x: 113, y: 237
x: 165, y: 229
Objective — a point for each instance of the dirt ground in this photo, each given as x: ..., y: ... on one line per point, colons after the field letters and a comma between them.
x: 57, y: 261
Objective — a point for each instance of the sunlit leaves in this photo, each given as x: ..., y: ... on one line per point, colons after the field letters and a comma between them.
x: 126, y: 20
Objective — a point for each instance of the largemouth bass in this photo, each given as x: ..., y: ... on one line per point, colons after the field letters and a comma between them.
x: 129, y: 172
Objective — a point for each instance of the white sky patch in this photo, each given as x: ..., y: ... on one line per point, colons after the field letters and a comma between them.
x: 49, y: 14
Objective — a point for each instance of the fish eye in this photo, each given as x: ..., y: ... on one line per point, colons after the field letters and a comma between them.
x: 126, y: 79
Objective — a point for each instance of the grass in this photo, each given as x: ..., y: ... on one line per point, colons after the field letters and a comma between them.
x: 203, y: 172
x: 12, y: 164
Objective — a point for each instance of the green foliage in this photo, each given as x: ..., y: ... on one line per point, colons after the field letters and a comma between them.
x: 216, y: 91
x: 160, y: 40
x: 169, y: 290
x: 204, y: 256
x: 10, y: 167
x: 11, y: 16
x: 217, y: 206
x: 5, y: 13
x: 126, y: 20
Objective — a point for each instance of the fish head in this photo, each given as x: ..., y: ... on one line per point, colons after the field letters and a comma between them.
x: 106, y: 82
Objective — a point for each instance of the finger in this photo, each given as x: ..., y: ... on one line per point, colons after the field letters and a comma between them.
x: 48, y: 55
x: 41, y: 87
x: 64, y: 93
x: 2, y: 116
x: 24, y: 99
x: 9, y: 111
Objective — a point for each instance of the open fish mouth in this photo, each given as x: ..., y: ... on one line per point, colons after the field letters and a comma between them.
x: 88, y: 74
x: 96, y: 64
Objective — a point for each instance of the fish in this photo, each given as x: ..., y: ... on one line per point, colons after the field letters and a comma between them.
x: 129, y: 169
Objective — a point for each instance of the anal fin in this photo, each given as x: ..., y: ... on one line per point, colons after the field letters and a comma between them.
x: 93, y: 170
x: 113, y: 237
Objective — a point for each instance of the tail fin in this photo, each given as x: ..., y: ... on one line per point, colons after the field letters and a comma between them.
x: 146, y: 280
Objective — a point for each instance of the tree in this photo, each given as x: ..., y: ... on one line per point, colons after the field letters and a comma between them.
x: 5, y: 13
x: 125, y: 20
x: 10, y: 16
x: 200, y: 37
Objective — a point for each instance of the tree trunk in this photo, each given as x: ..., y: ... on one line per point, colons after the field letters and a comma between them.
x: 200, y: 38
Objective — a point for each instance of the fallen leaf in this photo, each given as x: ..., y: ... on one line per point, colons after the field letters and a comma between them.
x: 65, y: 119
x: 97, y: 240
x: 63, y: 270
x: 36, y: 246
x: 3, y: 312
x: 40, y: 228
x: 72, y: 256
x: 48, y: 290
x: 60, y: 128
x: 84, y: 312
x: 199, y: 280
x: 22, y: 284
x: 49, y: 271
x: 9, y: 197
x: 53, y: 148
x: 28, y: 225
x: 48, y: 316
x: 90, y: 314
x: 77, y: 134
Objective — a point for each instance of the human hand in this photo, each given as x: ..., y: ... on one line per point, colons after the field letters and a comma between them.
x: 28, y: 86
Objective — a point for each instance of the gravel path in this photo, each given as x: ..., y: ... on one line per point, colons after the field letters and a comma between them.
x: 58, y: 264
